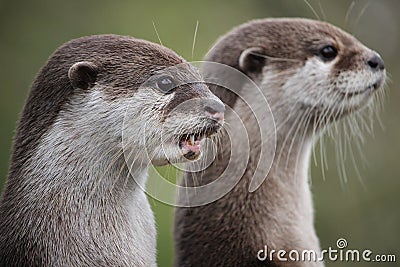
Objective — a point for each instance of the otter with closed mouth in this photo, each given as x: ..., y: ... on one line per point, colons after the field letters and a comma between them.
x: 312, y: 74
x: 98, y: 113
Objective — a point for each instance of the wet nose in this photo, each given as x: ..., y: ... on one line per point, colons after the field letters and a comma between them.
x: 376, y: 62
x: 215, y: 110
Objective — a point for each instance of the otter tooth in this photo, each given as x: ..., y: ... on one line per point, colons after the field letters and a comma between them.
x: 192, y: 139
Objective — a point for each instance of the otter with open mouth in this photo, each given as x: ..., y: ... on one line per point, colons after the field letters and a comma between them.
x: 97, y: 115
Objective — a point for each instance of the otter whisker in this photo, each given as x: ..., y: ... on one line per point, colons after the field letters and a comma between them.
x: 322, y: 151
x: 99, y: 180
x: 312, y: 9
x: 275, y: 58
x: 286, y: 139
x: 322, y: 10
x: 315, y: 126
x: 362, y: 12
x: 314, y: 137
x: 348, y: 12
x: 158, y: 36
x: 123, y: 166
x: 194, y: 37
x: 325, y: 118
x: 300, y: 123
x: 353, y: 161
x: 340, y: 158
x: 302, y: 140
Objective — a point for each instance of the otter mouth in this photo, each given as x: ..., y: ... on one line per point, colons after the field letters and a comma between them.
x: 191, y: 144
x: 371, y: 88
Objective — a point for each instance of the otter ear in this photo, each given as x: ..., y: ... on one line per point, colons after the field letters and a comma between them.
x: 83, y: 74
x: 252, y: 60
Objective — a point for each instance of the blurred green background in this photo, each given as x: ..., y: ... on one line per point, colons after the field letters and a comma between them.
x: 365, y: 213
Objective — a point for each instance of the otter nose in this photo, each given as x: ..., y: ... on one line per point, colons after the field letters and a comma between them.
x: 215, y: 110
x: 376, y: 62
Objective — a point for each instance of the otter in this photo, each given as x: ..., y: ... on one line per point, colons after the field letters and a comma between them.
x: 73, y: 195
x: 312, y: 74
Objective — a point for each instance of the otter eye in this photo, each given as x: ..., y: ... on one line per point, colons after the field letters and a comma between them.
x: 328, y: 53
x: 165, y: 84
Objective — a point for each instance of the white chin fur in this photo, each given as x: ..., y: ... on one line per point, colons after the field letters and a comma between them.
x: 167, y: 153
x: 312, y: 86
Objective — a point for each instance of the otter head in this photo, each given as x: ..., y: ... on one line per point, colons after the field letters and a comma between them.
x: 303, y: 66
x: 177, y: 113
x: 147, y: 98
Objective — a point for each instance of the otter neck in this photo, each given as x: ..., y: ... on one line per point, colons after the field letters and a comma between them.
x: 282, y: 206
x: 278, y: 214
x: 76, y: 165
